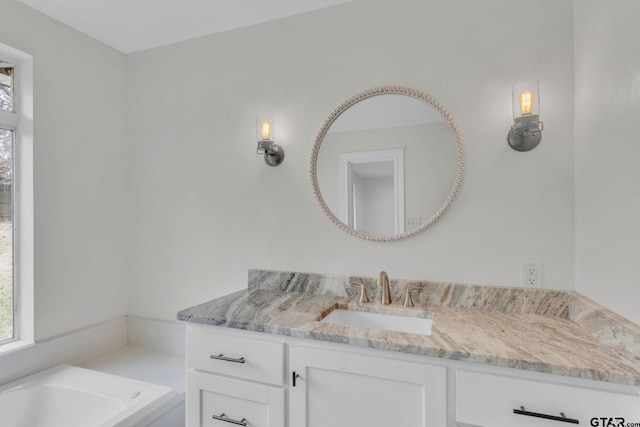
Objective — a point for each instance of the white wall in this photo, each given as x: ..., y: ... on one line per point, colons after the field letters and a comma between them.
x: 607, y: 153
x: 204, y: 208
x: 79, y: 182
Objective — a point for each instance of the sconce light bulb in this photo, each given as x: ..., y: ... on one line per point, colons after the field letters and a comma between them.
x: 527, y: 101
x: 265, y: 130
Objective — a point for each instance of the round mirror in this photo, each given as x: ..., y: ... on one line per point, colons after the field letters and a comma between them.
x: 387, y: 163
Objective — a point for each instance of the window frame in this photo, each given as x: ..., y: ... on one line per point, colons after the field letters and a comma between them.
x: 20, y: 121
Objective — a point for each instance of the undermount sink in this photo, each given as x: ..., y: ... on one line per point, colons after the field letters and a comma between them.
x: 388, y: 322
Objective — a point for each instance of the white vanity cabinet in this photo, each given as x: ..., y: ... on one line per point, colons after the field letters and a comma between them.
x: 489, y: 400
x: 233, y: 379
x: 347, y: 389
x: 237, y: 377
x: 241, y: 374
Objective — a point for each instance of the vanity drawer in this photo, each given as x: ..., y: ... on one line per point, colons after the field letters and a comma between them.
x: 489, y: 401
x: 214, y: 401
x: 234, y: 356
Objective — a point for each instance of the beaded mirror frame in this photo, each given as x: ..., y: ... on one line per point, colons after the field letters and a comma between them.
x: 385, y: 90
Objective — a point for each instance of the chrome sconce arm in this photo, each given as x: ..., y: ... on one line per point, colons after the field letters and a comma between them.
x: 273, y: 153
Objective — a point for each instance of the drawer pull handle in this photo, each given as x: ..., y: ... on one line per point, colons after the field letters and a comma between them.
x: 226, y: 419
x: 562, y: 418
x: 227, y: 359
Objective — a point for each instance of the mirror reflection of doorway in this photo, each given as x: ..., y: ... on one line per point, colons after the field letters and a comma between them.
x: 372, y: 191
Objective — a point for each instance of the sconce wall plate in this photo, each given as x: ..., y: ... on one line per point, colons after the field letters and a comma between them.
x: 274, y: 155
x: 526, y: 133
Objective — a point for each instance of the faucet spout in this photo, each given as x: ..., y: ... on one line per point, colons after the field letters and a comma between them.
x: 385, y: 294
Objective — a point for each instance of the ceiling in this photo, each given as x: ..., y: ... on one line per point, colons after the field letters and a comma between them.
x: 134, y: 25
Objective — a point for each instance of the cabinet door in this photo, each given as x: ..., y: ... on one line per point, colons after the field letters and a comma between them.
x: 214, y: 401
x: 354, y: 390
x: 489, y: 401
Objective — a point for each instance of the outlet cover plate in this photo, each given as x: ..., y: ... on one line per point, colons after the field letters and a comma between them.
x: 532, y: 275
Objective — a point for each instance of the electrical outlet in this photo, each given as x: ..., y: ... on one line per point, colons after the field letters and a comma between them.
x: 532, y: 274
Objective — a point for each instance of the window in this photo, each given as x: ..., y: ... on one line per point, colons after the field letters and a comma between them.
x: 7, y: 126
x: 16, y: 199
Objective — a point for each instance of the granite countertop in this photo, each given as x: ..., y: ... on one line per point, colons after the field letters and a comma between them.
x: 490, y: 328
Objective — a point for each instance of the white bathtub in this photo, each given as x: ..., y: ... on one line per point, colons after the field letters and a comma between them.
x: 75, y: 397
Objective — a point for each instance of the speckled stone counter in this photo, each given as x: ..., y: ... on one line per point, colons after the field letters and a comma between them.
x: 553, y: 332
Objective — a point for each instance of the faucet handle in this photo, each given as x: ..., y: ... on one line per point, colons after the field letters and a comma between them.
x: 363, y: 292
x: 408, y: 302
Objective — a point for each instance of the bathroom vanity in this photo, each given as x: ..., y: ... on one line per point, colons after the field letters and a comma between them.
x: 504, y: 357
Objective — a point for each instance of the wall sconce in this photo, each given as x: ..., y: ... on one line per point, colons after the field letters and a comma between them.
x: 273, y: 153
x: 526, y: 132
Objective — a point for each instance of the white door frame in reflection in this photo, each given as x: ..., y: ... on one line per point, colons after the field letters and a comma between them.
x: 349, y: 204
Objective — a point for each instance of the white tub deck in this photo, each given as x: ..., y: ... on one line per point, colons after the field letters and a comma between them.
x: 150, y: 366
x: 70, y: 396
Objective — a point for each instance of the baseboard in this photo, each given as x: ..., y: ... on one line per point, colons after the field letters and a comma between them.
x: 72, y: 347
x: 166, y: 336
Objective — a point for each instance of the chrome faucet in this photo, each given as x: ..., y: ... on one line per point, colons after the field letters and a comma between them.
x: 385, y: 295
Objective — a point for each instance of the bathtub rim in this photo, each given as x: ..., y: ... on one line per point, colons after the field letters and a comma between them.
x: 128, y: 417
